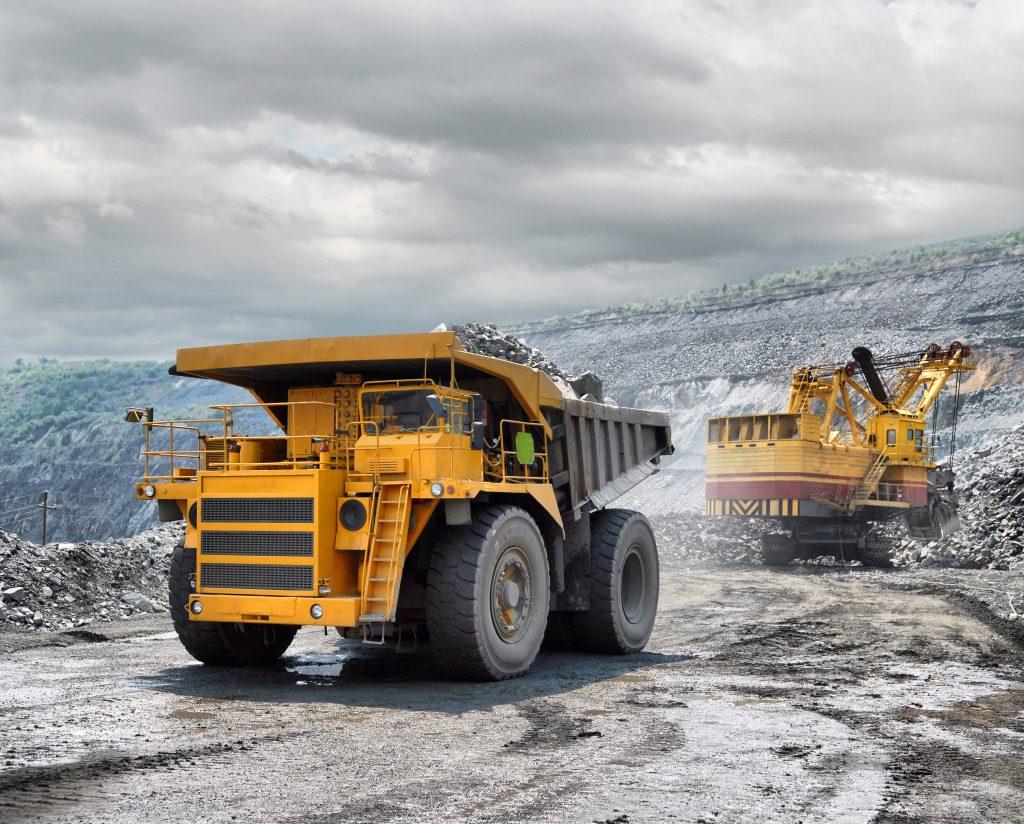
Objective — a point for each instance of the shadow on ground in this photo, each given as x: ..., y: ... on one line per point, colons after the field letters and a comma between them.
x: 358, y: 676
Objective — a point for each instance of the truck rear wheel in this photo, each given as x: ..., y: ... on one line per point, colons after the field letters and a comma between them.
x: 623, y: 584
x: 220, y: 644
x: 488, y: 593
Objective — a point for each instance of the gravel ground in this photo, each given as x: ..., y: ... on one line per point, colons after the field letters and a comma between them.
x: 693, y: 541
x: 810, y: 694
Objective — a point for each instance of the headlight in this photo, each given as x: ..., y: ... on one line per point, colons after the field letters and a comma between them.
x: 352, y: 514
x: 437, y: 489
x: 316, y: 611
x: 149, y: 491
x: 197, y: 607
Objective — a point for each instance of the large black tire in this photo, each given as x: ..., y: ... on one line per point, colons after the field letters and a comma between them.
x: 623, y: 584
x: 777, y: 550
x: 495, y: 570
x: 220, y: 644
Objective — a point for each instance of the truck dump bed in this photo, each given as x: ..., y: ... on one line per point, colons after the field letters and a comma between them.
x: 597, y: 451
x: 607, y: 450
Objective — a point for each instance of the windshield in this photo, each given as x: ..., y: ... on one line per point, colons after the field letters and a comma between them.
x: 408, y: 410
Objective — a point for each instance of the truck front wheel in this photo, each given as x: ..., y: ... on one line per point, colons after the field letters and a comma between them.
x: 226, y: 645
x: 488, y: 593
x: 623, y: 584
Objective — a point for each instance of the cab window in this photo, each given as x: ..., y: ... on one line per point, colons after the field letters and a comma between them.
x: 409, y: 410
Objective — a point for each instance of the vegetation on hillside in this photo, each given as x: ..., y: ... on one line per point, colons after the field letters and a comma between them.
x: 896, y: 263
x: 43, y: 403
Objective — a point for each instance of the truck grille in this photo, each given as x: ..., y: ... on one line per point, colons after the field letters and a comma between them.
x: 294, y: 544
x: 258, y: 510
x: 255, y: 576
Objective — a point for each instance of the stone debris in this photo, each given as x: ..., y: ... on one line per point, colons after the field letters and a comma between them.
x: 67, y: 585
x: 588, y: 384
x: 488, y: 339
x: 691, y: 538
x: 990, y: 480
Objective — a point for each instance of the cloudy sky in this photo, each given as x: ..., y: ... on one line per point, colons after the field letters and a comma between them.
x: 179, y: 173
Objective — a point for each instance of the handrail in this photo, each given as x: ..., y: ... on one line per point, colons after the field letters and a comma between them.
x: 507, y: 454
x: 222, y: 451
x: 226, y: 421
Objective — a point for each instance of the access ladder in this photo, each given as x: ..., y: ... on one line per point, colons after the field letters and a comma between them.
x: 848, y: 500
x: 386, y: 554
x: 869, y: 483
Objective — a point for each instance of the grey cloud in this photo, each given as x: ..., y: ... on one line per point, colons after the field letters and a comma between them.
x: 191, y: 171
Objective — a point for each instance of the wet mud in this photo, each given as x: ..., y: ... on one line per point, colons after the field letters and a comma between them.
x: 764, y: 696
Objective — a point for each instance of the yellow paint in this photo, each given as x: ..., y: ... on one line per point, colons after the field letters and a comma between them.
x: 329, y: 453
x: 819, y: 441
x: 267, y: 609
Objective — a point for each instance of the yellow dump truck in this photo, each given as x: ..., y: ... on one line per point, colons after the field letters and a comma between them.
x: 409, y: 486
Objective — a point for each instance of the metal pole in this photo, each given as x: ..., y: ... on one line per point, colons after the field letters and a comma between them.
x: 45, y: 497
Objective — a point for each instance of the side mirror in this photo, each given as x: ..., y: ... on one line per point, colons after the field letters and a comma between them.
x: 134, y: 414
x: 478, y: 435
x: 437, y: 408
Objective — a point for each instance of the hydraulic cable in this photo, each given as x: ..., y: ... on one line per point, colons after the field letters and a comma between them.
x: 956, y: 417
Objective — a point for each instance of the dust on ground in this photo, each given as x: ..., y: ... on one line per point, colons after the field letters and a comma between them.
x: 765, y: 696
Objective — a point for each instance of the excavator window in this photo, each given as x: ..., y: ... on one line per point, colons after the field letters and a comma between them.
x: 788, y: 427
x: 714, y: 431
x: 890, y: 437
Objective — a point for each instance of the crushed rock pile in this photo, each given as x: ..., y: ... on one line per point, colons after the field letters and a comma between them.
x: 488, y: 339
x: 693, y: 538
x: 990, y: 479
x: 67, y: 585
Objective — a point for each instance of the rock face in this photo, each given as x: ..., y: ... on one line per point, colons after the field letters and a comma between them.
x: 735, y: 360
x: 67, y: 585
x: 90, y: 478
x: 990, y: 479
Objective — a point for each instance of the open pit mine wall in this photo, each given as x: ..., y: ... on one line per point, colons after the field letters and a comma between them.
x: 689, y: 364
x: 737, y: 360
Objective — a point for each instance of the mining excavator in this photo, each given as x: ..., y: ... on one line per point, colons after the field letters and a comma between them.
x: 849, y: 453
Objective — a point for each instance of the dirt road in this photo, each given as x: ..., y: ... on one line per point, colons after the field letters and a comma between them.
x: 764, y: 696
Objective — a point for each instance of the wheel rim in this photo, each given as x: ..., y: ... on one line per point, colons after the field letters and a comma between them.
x: 633, y: 584
x: 511, y: 594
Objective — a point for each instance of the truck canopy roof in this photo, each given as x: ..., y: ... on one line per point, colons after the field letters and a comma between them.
x: 269, y: 369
